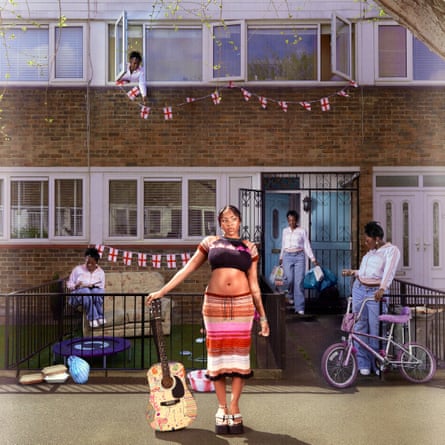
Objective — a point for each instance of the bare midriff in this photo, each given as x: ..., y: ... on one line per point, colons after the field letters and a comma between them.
x: 228, y: 281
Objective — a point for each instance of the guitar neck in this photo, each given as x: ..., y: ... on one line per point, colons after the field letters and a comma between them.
x: 159, y: 338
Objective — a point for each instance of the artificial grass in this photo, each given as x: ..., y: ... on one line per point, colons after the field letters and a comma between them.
x: 185, y: 344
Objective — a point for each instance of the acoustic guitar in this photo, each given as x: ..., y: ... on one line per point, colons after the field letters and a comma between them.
x: 171, y: 404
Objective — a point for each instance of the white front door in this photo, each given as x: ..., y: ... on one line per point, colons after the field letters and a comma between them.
x: 415, y: 222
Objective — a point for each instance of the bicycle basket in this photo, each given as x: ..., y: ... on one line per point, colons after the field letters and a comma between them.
x: 347, y: 322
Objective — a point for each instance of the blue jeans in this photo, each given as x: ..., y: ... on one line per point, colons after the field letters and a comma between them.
x: 93, y: 305
x: 294, y: 268
x: 368, y: 323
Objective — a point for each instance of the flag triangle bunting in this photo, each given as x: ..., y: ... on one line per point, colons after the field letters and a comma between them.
x: 155, y: 260
x: 216, y: 97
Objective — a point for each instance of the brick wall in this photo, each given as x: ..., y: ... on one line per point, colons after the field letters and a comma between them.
x: 375, y: 126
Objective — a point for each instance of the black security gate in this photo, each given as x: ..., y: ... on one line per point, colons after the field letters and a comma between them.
x: 328, y: 207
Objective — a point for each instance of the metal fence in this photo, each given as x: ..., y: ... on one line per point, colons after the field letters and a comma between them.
x: 39, y: 328
x: 428, y: 314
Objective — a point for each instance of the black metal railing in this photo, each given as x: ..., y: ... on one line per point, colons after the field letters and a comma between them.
x: 428, y: 314
x: 40, y: 328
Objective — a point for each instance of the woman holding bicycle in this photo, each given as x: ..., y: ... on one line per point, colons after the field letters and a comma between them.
x: 377, y: 270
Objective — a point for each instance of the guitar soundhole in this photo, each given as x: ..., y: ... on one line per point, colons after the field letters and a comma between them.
x: 178, y: 390
x: 167, y: 382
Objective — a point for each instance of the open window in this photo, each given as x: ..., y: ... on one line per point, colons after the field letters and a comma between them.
x: 341, y: 47
x: 120, y: 45
x: 228, y: 51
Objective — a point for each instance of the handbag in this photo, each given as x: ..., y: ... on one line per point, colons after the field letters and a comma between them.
x: 348, y: 322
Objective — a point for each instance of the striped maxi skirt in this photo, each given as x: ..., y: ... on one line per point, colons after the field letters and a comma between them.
x: 228, y: 322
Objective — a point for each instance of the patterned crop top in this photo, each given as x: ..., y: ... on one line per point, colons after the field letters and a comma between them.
x: 223, y: 252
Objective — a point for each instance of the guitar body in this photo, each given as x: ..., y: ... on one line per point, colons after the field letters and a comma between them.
x: 171, y: 404
x: 170, y: 408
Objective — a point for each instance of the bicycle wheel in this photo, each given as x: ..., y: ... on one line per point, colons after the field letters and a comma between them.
x: 419, y: 366
x: 334, y: 369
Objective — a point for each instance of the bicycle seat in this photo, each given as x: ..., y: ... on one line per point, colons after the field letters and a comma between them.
x: 402, y: 318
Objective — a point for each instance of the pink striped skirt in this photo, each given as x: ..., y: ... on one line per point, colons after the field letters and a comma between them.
x: 228, y: 323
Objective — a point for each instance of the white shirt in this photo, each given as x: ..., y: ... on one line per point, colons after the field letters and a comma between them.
x: 296, y: 240
x: 379, y: 266
x: 137, y: 75
x: 81, y: 274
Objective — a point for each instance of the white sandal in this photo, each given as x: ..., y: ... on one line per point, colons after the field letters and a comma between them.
x: 236, y: 424
x: 221, y: 420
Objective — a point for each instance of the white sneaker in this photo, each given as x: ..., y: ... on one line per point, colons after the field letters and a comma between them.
x: 365, y: 371
x: 94, y: 324
x: 300, y: 312
x: 102, y: 321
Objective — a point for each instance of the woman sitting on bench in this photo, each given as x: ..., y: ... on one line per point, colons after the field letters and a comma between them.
x: 85, y: 281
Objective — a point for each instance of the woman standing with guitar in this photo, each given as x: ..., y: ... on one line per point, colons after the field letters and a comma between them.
x: 230, y: 300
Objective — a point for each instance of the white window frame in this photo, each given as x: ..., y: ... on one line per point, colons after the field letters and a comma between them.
x: 50, y: 177
x: 147, y: 61
x: 52, y: 79
x: 208, y: 75
x: 120, y: 45
x: 286, y: 26
x: 347, y: 74
x: 52, y: 48
x: 408, y: 55
x: 141, y: 179
x: 52, y: 208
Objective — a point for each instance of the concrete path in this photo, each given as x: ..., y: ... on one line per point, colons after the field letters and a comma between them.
x: 299, y: 409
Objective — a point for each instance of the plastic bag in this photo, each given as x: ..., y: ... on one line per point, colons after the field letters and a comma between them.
x: 310, y: 280
x: 276, y: 276
x: 329, y: 279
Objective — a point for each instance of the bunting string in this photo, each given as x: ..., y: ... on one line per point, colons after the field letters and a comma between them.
x: 216, y: 97
x: 155, y: 260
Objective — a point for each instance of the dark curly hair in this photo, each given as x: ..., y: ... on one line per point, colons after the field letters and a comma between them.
x: 373, y: 229
x: 93, y: 253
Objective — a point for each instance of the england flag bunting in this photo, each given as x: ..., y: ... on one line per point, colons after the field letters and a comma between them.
x: 156, y: 261
x: 112, y: 254
x: 171, y: 260
x: 133, y: 93
x: 100, y: 249
x: 185, y: 257
x: 325, y: 106
x: 127, y: 258
x: 142, y: 259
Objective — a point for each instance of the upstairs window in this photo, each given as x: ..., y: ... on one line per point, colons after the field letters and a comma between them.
x: 24, y: 54
x: 282, y: 53
x: 174, y: 54
x: 239, y: 51
x: 228, y: 49
x: 41, y: 54
x: 403, y: 57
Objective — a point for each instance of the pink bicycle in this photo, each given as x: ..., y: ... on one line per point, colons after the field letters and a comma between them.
x: 339, y: 364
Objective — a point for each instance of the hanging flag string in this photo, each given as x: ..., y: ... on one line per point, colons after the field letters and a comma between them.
x: 155, y: 260
x: 216, y: 97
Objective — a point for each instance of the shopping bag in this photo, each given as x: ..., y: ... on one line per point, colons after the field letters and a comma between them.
x: 329, y: 279
x: 276, y: 276
x: 310, y: 280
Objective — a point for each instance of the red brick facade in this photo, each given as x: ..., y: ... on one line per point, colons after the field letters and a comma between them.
x: 48, y: 127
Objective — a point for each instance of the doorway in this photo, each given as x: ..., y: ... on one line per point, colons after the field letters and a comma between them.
x: 414, y: 220
x: 328, y: 208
